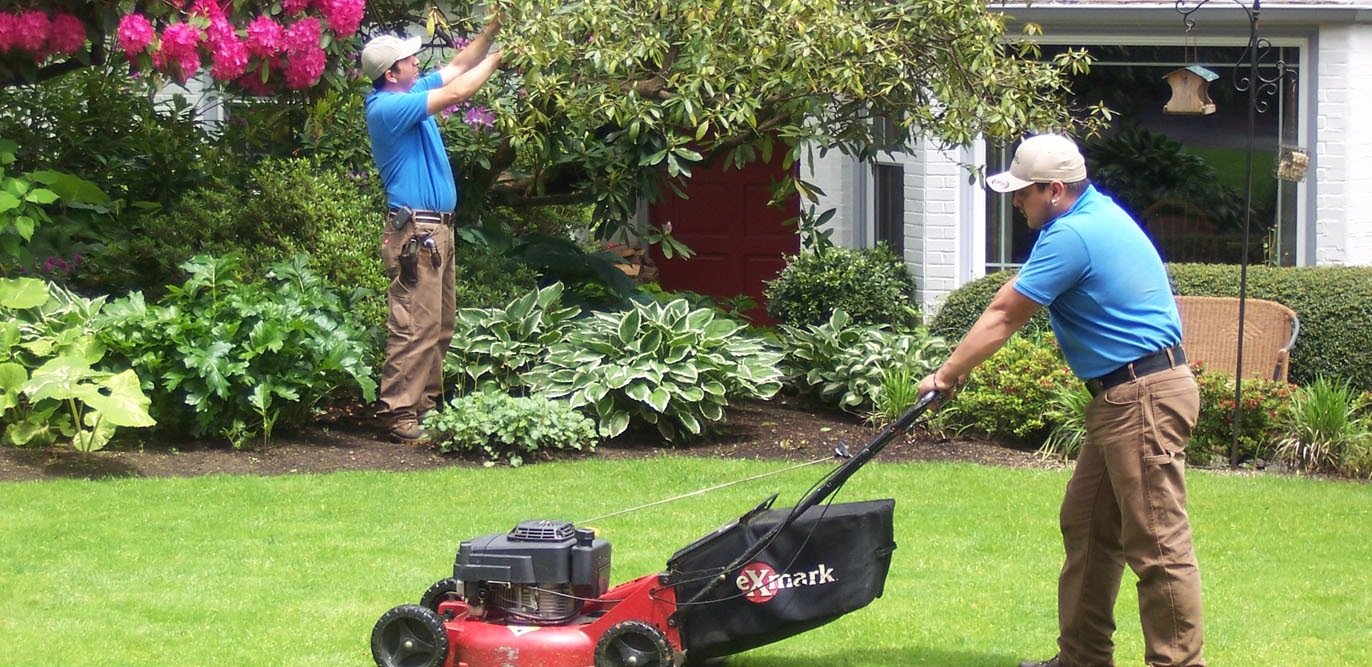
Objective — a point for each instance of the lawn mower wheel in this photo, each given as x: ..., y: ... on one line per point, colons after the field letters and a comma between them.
x: 633, y: 644
x: 409, y: 636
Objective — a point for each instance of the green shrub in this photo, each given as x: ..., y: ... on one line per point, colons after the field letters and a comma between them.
x: 961, y: 308
x: 872, y: 285
x: 244, y: 357
x: 503, y: 426
x: 666, y: 365
x: 486, y: 278
x: 1334, y: 304
x: 1329, y: 430
x: 100, y: 124
x: 1260, y: 418
x: 49, y: 388
x: 1008, y: 394
x: 845, y: 364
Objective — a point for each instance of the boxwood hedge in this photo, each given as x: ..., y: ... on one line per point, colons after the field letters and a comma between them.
x: 1334, y: 304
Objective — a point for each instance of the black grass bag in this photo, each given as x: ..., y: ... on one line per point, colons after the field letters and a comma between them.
x: 830, y: 561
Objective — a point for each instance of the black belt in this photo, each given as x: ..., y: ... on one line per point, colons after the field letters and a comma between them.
x: 425, y: 215
x: 1148, y: 364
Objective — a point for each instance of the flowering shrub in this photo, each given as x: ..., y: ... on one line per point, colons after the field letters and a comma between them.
x: 34, y: 33
x: 287, y: 47
x: 1010, y: 393
x: 1261, y: 416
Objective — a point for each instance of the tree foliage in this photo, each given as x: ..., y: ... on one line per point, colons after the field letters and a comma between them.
x: 612, y: 101
x: 605, y: 96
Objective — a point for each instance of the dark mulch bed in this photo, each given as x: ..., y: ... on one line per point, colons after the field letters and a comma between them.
x: 347, y: 439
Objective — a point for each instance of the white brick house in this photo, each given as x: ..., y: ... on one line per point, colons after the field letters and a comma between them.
x: 923, y: 202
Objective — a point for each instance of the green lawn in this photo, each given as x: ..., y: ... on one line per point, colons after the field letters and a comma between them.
x: 295, y: 570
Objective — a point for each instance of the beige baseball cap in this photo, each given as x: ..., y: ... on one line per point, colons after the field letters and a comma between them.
x: 382, y: 52
x: 1041, y: 159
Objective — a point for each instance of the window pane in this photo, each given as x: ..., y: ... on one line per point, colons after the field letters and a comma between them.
x: 889, y: 196
x: 1182, y: 177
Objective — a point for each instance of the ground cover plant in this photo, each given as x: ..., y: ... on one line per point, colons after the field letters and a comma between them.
x: 294, y: 570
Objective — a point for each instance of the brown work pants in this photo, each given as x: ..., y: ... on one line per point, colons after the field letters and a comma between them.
x: 1126, y: 503
x: 420, y: 324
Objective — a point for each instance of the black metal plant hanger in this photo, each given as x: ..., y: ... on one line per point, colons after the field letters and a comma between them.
x: 1253, y: 82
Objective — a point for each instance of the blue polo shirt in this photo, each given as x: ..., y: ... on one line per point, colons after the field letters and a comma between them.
x: 1104, y: 284
x: 408, y: 149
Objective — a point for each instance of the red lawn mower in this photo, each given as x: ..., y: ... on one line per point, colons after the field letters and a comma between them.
x: 539, y: 596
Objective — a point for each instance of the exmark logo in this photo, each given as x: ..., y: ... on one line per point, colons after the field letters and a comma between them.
x: 759, y: 583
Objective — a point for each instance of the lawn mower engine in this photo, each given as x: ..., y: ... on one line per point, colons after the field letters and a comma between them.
x: 540, y: 573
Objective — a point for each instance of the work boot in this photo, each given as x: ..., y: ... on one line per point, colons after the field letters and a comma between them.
x: 1053, y: 662
x: 407, y: 431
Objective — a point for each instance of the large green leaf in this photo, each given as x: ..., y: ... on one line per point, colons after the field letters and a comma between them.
x: 629, y: 326
x: 689, y: 421
x: 22, y: 293
x: 616, y: 424
x: 122, y: 401
x: 58, y: 378
x: 638, y: 390
x: 658, y: 399
x: 12, y: 377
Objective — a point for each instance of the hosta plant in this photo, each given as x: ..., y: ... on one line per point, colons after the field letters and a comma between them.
x: 237, y: 359
x: 50, y: 390
x: 500, y: 345
x: 499, y: 425
x: 844, y: 363
x: 663, y: 364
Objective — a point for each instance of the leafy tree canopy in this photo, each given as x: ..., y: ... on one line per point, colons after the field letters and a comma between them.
x: 607, y: 101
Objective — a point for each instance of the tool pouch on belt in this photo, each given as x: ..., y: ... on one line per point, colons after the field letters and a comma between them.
x: 409, y: 262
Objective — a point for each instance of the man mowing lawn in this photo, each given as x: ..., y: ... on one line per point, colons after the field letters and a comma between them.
x: 1114, y: 315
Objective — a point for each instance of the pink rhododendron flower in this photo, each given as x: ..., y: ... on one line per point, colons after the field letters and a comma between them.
x: 265, y: 37
x: 303, y: 35
x: 180, y: 54
x: 303, y: 67
x: 343, y: 16
x: 135, y: 34
x: 68, y: 34
x: 31, y: 31
x: 227, y: 52
x: 305, y: 60
x: 8, y: 30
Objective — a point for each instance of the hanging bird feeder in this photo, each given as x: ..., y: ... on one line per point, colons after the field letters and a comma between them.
x: 1190, y: 91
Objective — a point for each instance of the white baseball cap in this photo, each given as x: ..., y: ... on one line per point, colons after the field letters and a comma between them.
x: 1041, y: 159
x: 382, y: 52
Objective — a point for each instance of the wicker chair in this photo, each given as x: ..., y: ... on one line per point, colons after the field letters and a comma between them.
x: 1210, y: 333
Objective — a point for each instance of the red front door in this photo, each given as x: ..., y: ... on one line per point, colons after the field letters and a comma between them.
x: 738, y: 239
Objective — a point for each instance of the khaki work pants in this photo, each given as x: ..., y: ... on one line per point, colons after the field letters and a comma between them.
x: 1126, y: 503
x: 420, y: 324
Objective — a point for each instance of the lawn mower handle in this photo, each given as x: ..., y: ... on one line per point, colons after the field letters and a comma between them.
x: 831, y: 484
x: 865, y: 454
